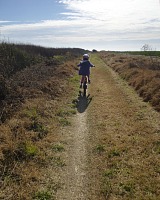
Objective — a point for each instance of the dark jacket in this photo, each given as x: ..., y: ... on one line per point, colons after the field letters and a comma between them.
x: 85, y: 67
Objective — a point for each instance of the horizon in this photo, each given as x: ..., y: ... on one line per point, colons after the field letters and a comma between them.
x: 117, y: 25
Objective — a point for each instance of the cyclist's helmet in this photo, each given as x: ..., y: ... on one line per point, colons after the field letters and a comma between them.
x: 85, y: 57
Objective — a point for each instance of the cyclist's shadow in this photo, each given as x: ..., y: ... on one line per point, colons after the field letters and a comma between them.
x: 83, y: 102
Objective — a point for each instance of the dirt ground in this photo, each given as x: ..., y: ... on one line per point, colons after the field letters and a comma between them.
x: 112, y: 146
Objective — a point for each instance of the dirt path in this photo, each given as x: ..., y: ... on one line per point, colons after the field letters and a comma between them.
x: 75, y: 176
x: 110, y: 147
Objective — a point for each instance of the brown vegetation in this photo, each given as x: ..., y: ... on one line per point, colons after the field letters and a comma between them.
x: 141, y: 72
x: 124, y: 138
x: 32, y: 88
x: 27, y: 71
x: 35, y: 86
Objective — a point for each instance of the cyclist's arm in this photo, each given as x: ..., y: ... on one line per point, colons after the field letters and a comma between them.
x: 92, y: 65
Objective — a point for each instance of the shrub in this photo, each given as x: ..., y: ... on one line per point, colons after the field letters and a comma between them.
x: 58, y: 148
x: 3, y: 88
x: 42, y: 195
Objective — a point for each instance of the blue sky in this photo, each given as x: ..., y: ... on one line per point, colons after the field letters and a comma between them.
x: 88, y: 24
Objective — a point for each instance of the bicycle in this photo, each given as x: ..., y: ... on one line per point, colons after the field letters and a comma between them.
x: 85, y: 84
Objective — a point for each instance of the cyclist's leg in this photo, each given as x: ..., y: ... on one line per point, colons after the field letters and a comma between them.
x: 89, y: 81
x: 82, y: 80
x: 86, y: 79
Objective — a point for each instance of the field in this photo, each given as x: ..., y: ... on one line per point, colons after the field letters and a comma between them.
x: 55, y: 144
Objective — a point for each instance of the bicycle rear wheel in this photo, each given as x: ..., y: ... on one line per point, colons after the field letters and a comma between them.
x: 84, y: 88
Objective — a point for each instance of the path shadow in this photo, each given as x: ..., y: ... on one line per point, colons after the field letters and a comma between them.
x: 83, y: 102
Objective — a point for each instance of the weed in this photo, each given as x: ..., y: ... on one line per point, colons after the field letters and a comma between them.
x: 74, y: 103
x: 9, y: 177
x: 26, y: 150
x: 30, y: 149
x: 62, y: 113
x: 114, y: 153
x: 57, y: 161
x: 127, y: 188
x: 39, y: 127
x: 73, y: 112
x: 64, y: 122
x: 32, y: 113
x: 74, y: 79
x: 42, y: 195
x: 156, y: 148
x: 58, y: 148
x: 100, y: 148
x: 106, y: 188
x: 109, y: 173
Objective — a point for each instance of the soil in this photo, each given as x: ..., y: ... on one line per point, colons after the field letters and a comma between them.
x: 109, y: 145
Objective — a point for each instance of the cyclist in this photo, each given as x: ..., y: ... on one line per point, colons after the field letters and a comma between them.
x: 84, y: 70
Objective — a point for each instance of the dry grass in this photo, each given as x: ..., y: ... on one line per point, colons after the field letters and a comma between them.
x: 140, y: 73
x: 124, y: 140
x: 126, y: 137
x: 30, y: 126
x: 26, y: 142
x: 23, y: 149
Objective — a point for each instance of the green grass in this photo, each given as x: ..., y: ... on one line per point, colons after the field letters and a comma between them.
x: 25, y: 151
x: 43, y: 195
x: 38, y: 127
x: 126, y: 189
x: 32, y: 113
x: 58, y: 148
x: 58, y: 162
x: 99, y: 148
x: 31, y: 149
x: 63, y: 113
x: 109, y: 173
x: 74, y: 79
x: 113, y: 153
x: 60, y: 59
x: 74, y: 104
x: 64, y: 122
x: 106, y: 188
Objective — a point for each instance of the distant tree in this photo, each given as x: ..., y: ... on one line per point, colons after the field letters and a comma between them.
x: 146, y: 47
x: 154, y: 62
x: 94, y: 50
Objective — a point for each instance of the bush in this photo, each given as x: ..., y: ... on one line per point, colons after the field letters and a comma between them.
x: 3, y: 88
x: 13, y: 59
x: 141, y: 72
